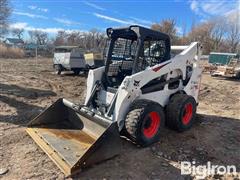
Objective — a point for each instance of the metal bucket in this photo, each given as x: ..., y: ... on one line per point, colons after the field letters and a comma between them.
x: 73, y: 139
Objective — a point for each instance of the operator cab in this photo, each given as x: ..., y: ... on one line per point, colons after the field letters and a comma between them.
x: 131, y: 50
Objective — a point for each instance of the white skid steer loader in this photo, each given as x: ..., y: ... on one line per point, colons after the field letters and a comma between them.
x: 142, y: 87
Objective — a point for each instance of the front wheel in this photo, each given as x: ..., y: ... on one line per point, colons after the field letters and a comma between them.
x: 144, y: 122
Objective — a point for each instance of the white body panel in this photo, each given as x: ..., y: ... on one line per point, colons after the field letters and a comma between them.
x: 93, y: 76
x: 129, y: 90
x: 61, y: 58
x: 106, y: 97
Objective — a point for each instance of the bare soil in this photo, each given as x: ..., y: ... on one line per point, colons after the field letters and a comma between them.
x: 28, y: 86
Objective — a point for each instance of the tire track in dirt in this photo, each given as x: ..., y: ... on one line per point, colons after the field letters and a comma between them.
x: 216, y: 90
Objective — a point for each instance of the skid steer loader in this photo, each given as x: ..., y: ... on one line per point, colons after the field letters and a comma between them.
x: 144, y: 85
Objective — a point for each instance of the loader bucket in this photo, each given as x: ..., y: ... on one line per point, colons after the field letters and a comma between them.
x: 72, y: 139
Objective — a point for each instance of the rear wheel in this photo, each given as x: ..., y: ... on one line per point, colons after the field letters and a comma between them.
x: 181, y: 112
x: 76, y: 71
x: 144, y: 122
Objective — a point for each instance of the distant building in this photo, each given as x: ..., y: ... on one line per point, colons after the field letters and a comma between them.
x: 14, y: 42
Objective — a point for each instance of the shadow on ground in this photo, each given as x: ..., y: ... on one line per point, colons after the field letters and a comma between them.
x: 81, y: 74
x: 29, y: 93
x: 24, y: 111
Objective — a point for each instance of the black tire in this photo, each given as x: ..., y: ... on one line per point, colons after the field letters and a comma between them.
x: 144, y: 122
x: 86, y: 72
x: 76, y: 71
x: 181, y: 112
x: 238, y: 75
x: 58, y: 69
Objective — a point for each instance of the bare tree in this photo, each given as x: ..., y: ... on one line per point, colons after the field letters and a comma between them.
x: 5, y: 12
x: 217, y: 33
x: 167, y: 26
x: 211, y: 34
x: 95, y: 40
x: 184, y: 29
x: 233, y: 37
x: 99, y: 41
x: 73, y: 38
x: 202, y: 33
x: 39, y: 37
x: 89, y: 41
x: 18, y: 33
x: 30, y: 33
x: 61, y: 38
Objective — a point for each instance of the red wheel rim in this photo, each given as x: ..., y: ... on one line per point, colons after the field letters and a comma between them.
x: 151, y: 124
x: 187, y: 114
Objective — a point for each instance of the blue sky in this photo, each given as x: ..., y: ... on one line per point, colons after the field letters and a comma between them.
x: 54, y: 15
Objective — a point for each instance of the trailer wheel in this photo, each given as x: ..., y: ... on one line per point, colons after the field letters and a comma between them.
x: 238, y: 75
x: 85, y: 72
x: 76, y: 71
x: 144, y: 122
x: 181, y: 112
x: 59, y: 71
x: 58, y: 68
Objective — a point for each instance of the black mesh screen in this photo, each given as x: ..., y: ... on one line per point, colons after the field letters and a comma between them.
x: 124, y: 49
x: 154, y: 52
x: 123, y: 54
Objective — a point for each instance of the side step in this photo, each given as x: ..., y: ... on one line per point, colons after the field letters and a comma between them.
x: 73, y: 139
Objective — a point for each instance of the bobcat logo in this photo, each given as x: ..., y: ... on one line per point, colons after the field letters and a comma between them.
x: 136, y: 83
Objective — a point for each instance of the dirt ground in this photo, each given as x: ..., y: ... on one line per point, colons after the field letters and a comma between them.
x: 28, y: 86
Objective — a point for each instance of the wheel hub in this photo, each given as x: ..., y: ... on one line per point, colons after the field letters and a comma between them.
x: 151, y: 124
x: 187, y: 113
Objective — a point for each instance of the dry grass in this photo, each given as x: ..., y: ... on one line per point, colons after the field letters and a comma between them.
x: 10, y: 52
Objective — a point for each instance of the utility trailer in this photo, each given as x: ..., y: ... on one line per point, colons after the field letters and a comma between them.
x: 68, y: 58
x: 72, y: 58
x: 143, y: 87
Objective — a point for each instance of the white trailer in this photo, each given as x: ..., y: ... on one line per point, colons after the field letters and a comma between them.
x: 69, y: 58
